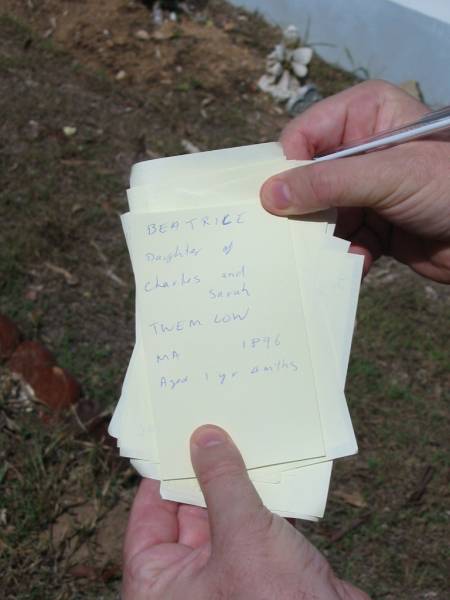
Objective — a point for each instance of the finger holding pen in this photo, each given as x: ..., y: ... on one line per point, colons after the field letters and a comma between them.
x: 403, y: 190
x: 356, y: 113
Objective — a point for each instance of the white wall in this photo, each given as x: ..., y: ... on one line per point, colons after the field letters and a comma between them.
x: 438, y: 9
x: 395, y: 40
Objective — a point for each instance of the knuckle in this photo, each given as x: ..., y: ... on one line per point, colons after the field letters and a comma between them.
x: 383, y: 90
x: 382, y: 85
x: 378, y: 87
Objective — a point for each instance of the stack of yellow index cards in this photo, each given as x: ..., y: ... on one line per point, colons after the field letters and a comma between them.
x: 243, y: 320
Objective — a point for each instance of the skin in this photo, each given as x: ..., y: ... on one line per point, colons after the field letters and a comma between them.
x: 394, y: 202
x: 236, y: 550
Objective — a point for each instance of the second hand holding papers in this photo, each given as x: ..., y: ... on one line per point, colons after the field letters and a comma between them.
x: 243, y: 320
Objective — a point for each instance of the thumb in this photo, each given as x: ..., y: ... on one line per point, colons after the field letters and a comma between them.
x: 230, y: 496
x: 374, y: 180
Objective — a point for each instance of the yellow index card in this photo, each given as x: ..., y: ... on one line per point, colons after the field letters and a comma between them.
x: 220, y: 308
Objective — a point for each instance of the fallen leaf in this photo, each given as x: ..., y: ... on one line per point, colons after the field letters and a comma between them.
x: 30, y: 356
x: 55, y: 387
x: 352, y: 498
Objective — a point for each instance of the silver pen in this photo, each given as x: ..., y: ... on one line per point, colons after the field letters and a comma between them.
x: 433, y: 122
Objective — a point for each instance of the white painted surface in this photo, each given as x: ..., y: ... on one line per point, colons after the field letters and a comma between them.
x: 437, y: 9
x: 394, y: 40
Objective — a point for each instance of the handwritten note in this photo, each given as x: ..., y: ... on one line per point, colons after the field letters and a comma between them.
x: 224, y: 333
x: 242, y: 319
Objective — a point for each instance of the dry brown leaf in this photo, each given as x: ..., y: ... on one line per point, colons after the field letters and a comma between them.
x: 352, y: 498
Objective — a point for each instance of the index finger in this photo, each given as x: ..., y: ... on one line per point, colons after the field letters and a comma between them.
x: 356, y: 113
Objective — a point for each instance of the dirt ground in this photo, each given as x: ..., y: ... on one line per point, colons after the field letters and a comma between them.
x: 65, y: 279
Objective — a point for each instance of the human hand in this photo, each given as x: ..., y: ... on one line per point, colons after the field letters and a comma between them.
x: 238, y: 549
x: 395, y: 201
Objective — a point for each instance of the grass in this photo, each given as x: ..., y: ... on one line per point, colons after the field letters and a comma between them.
x: 397, y: 395
x: 48, y: 472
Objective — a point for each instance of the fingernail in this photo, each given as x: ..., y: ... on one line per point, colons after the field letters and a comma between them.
x: 208, y: 436
x: 277, y: 194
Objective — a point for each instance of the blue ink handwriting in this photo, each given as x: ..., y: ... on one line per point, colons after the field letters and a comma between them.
x: 267, y: 342
x: 241, y: 272
x: 196, y: 223
x: 279, y: 365
x: 218, y: 294
x: 172, y: 355
x: 182, y: 281
x: 231, y: 317
x: 227, y: 248
x: 179, y: 252
x: 160, y: 328
x: 171, y: 384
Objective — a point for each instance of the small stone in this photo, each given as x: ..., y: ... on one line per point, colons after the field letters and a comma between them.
x: 56, y: 388
x: 121, y: 75
x: 9, y: 337
x: 29, y: 357
x: 229, y: 26
x: 142, y: 35
x: 69, y: 131
x: 33, y: 129
x: 431, y: 293
x: 190, y: 147
x: 121, y: 40
x: 166, y: 32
